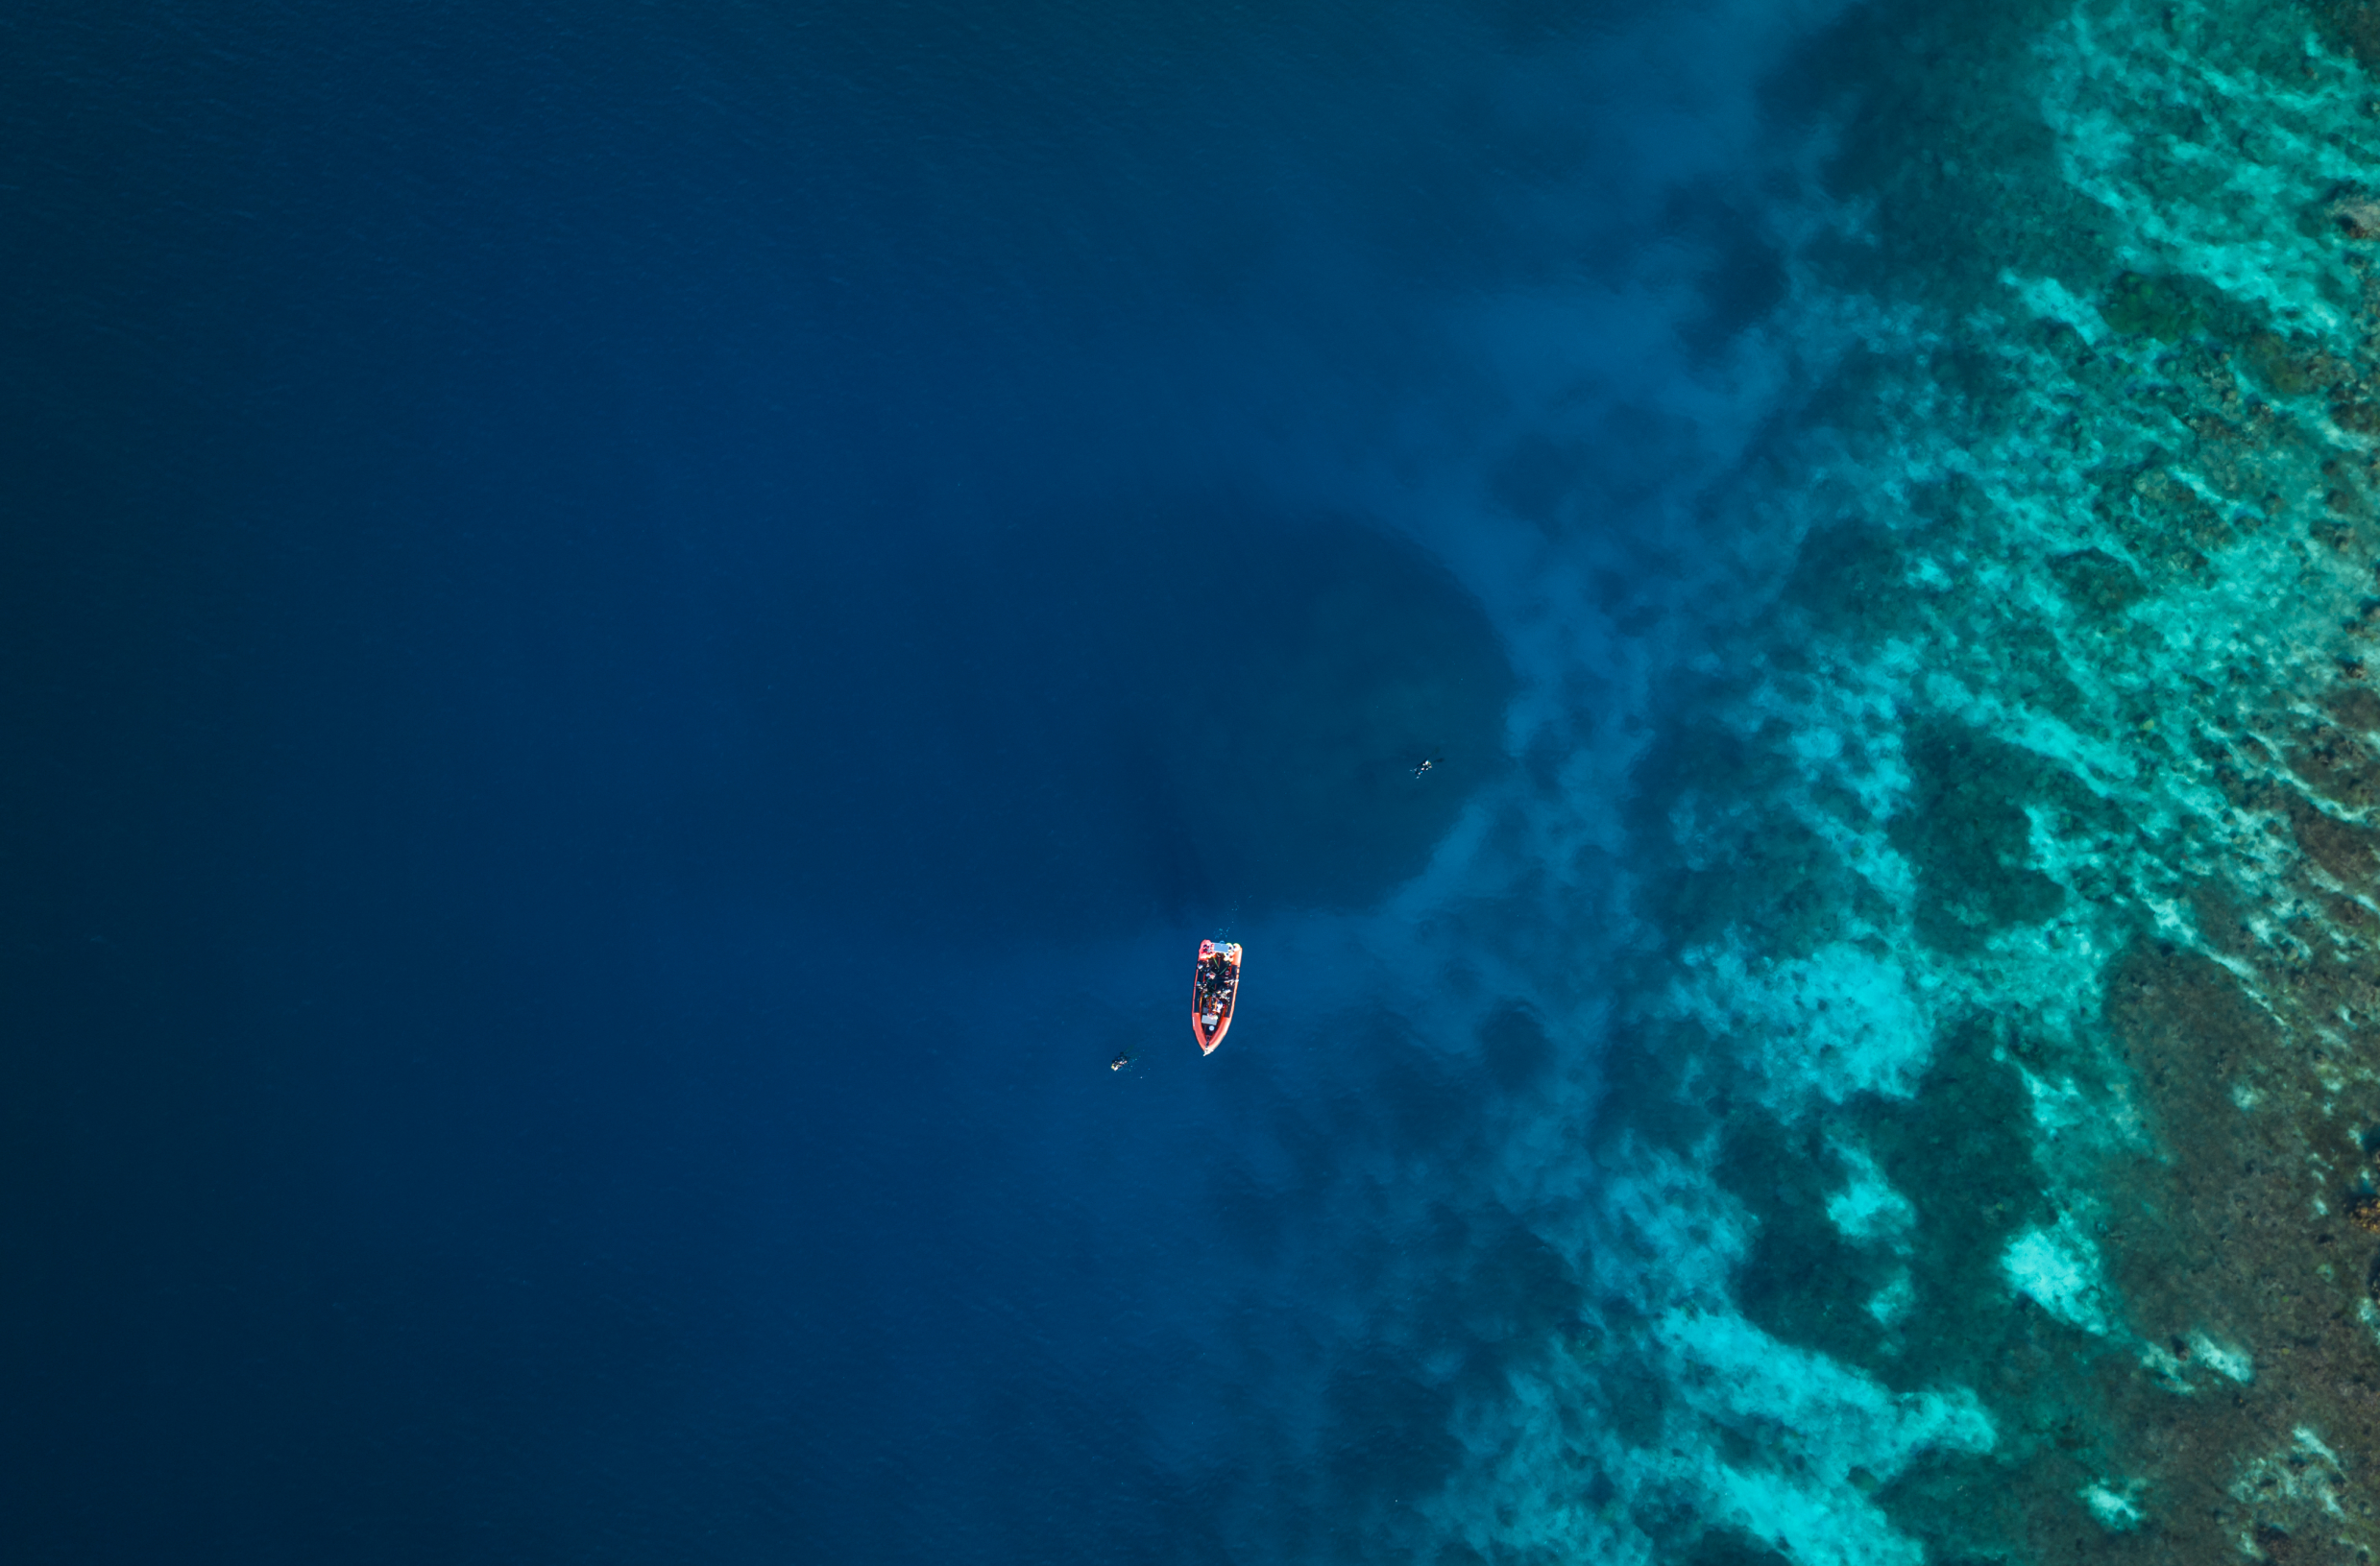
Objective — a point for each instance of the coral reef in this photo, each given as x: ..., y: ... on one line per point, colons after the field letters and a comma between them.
x: 2016, y: 872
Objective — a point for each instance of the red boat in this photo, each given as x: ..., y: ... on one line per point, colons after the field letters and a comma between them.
x: 1214, y: 990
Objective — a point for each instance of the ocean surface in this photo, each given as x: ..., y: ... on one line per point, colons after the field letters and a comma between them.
x: 636, y: 642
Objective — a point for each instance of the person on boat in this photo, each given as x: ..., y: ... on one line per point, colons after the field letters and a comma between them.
x: 1215, y: 985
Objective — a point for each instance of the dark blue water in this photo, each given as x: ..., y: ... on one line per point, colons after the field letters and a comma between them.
x: 637, y: 638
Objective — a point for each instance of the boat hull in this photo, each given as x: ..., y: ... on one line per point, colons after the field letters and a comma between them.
x: 1214, y: 993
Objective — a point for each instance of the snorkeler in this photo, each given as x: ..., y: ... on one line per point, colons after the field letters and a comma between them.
x: 1120, y: 1061
x: 1427, y: 763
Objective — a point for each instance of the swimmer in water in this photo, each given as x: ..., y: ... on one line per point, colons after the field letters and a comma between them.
x: 1120, y: 1061
x: 1427, y: 763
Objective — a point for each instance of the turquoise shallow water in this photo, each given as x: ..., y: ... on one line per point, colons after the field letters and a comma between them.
x: 1981, y: 1153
